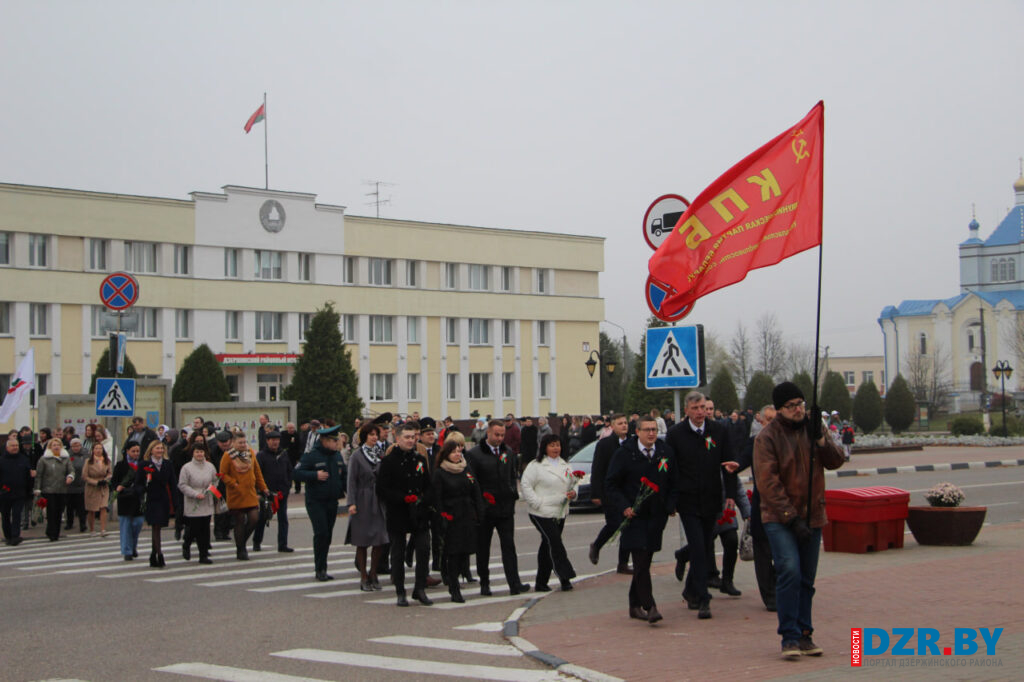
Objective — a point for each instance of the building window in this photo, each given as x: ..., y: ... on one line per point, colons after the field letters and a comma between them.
x: 232, y: 324
x: 867, y: 376
x: 182, y: 329
x: 140, y: 257
x: 849, y: 378
x: 413, y: 329
x: 268, y: 265
x: 1004, y: 269
x: 350, y: 328
x: 508, y: 383
x: 542, y: 283
x: 37, y: 250
x: 97, y: 328
x: 479, y: 277
x: 232, y: 386
x: 268, y: 326
x: 453, y: 387
x: 922, y: 342
x: 348, y: 270
x: 304, y: 320
x: 305, y: 267
x: 451, y: 328
x: 479, y: 332
x: 970, y: 341
x: 412, y: 273
x: 38, y: 316
x: 508, y: 333
x: 479, y: 385
x: 147, y: 323
x: 382, y: 387
x: 182, y: 259
x: 380, y: 328
x: 414, y: 387
x: 231, y: 258
x: 41, y: 389
x: 269, y: 387
x: 451, y: 275
x: 542, y: 333
x: 542, y: 384
x: 5, y: 323
x: 98, y: 253
x: 5, y: 248
x: 380, y: 272
x: 506, y: 278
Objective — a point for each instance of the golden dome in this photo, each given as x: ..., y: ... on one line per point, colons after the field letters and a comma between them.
x: 1019, y: 185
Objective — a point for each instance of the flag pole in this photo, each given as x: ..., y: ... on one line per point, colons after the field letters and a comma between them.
x: 817, y: 319
x: 266, y: 164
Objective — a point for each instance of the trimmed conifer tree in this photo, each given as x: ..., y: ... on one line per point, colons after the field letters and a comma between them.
x: 759, y: 391
x: 324, y: 384
x: 899, y: 405
x: 723, y: 391
x: 805, y: 383
x: 201, y: 379
x: 835, y: 396
x: 867, y: 407
x: 103, y: 369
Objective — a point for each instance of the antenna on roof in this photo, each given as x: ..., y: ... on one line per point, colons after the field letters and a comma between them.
x: 377, y: 200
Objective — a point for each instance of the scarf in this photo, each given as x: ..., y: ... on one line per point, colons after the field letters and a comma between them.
x: 372, y: 454
x: 453, y: 468
x: 240, y: 460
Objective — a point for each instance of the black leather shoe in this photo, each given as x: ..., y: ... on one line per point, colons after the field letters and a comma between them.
x: 566, y: 585
x: 177, y: 533
x: 637, y: 612
x: 705, y: 610
x: 241, y: 554
x: 457, y: 595
x: 624, y: 569
x: 595, y: 553
x: 186, y: 552
x: 519, y: 589
x: 255, y: 547
x: 285, y: 550
x: 485, y: 590
x: 321, y: 576
x: 729, y: 589
x: 653, y: 616
x: 402, y: 601
x: 691, y: 603
x: 715, y: 582
x: 541, y: 588
x: 205, y: 560
x: 421, y: 597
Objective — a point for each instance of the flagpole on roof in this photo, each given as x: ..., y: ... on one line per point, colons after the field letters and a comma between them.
x: 266, y: 164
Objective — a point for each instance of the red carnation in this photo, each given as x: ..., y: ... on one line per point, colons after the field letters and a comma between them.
x: 579, y: 474
x: 411, y: 499
x: 489, y: 498
x: 220, y: 475
x: 149, y: 470
x: 5, y: 489
x: 447, y: 517
x: 41, y: 503
x: 649, y: 483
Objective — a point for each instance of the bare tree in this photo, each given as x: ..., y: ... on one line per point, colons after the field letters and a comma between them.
x: 799, y: 358
x: 716, y: 357
x: 929, y: 376
x: 740, y: 351
x: 1015, y: 337
x: 769, y: 346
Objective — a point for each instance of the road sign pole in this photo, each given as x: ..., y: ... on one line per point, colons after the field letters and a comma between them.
x: 675, y: 404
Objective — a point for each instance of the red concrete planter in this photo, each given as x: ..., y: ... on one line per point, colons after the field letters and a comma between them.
x: 951, y: 526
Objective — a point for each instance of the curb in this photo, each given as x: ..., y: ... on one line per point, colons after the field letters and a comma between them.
x: 510, y: 630
x: 914, y: 468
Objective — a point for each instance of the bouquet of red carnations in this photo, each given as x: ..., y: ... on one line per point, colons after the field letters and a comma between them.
x: 647, y: 488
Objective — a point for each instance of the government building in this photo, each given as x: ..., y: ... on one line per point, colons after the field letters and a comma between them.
x: 440, y: 319
x: 961, y: 338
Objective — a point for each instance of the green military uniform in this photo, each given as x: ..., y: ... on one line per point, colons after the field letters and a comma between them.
x: 322, y: 496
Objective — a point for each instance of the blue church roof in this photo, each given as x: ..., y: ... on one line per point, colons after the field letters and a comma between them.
x: 1010, y: 231
x: 926, y: 306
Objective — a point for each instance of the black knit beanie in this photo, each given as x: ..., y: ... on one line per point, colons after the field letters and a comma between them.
x: 785, y: 392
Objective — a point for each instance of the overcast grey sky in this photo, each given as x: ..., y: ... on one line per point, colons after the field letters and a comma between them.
x: 561, y: 116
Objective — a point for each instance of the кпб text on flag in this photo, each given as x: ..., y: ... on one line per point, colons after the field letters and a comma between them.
x: 24, y: 380
x: 765, y: 208
x: 257, y: 116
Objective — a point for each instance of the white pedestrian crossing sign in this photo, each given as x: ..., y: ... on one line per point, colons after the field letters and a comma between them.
x: 115, y: 397
x: 675, y: 357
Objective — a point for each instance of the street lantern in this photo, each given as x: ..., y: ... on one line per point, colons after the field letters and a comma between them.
x: 591, y: 364
x: 1003, y: 371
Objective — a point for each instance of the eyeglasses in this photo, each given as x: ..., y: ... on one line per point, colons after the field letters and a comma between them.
x: 650, y: 428
x: 793, y: 404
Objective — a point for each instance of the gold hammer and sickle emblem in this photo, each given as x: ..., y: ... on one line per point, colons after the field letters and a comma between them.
x: 799, y: 150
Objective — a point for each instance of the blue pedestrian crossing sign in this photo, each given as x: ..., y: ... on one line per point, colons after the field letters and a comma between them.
x: 675, y: 357
x: 115, y: 397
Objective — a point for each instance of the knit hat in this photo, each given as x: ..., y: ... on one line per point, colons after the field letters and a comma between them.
x: 785, y: 392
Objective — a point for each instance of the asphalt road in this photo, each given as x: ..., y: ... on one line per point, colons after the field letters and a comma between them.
x: 74, y: 610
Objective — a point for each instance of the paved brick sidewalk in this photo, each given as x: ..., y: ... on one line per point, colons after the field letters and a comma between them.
x: 940, y: 587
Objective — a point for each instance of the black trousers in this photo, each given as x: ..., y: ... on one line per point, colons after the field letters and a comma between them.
x: 282, y: 524
x: 75, y: 506
x: 611, y: 524
x: 10, y: 512
x: 54, y: 512
x: 506, y: 536
x: 730, y: 552
x: 197, y: 528
x: 420, y: 541
x: 551, y: 553
x: 322, y: 515
x: 640, y: 590
x: 700, y: 536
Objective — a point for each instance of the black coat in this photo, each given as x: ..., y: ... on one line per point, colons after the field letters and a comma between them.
x: 603, y: 452
x: 15, y: 476
x: 700, y: 466
x: 528, y: 443
x: 127, y: 499
x: 622, y: 485
x: 276, y: 468
x: 159, y: 504
x: 403, y: 473
x: 459, y: 496
x: 497, y: 476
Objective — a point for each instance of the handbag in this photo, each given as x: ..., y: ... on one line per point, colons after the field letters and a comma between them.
x: 746, y: 543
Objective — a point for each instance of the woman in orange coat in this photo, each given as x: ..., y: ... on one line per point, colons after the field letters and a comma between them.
x: 244, y: 483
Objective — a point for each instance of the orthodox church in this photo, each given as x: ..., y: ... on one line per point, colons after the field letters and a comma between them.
x: 963, y: 337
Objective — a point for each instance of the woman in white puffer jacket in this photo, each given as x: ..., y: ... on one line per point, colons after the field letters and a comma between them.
x: 548, y: 486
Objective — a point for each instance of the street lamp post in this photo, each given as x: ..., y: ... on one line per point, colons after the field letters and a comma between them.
x: 591, y: 364
x: 1003, y: 371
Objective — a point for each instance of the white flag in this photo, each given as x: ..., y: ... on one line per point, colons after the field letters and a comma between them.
x: 24, y: 380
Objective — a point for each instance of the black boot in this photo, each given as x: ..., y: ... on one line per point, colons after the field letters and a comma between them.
x: 421, y: 596
x: 152, y: 560
x: 241, y: 554
x: 160, y: 559
x: 705, y: 609
x: 729, y: 589
x: 186, y: 551
x: 453, y: 589
x: 402, y: 601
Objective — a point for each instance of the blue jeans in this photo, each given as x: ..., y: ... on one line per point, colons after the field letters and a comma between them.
x: 796, y: 564
x: 131, y: 526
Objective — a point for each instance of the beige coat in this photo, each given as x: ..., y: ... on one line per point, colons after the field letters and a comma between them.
x: 97, y: 497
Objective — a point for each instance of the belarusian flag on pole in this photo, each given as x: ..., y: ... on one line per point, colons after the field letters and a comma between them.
x: 257, y: 116
x: 24, y: 380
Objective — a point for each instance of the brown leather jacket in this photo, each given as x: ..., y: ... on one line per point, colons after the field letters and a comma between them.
x: 781, y: 454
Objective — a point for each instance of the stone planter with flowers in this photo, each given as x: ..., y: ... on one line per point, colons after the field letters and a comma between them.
x: 945, y: 522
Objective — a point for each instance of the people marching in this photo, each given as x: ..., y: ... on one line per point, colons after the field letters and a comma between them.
x: 430, y: 499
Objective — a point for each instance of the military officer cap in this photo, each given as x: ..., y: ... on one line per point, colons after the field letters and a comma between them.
x: 428, y: 424
x: 274, y: 434
x: 384, y: 418
x: 329, y: 432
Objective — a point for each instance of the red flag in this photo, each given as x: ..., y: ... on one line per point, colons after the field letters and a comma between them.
x: 764, y: 209
x: 257, y: 116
